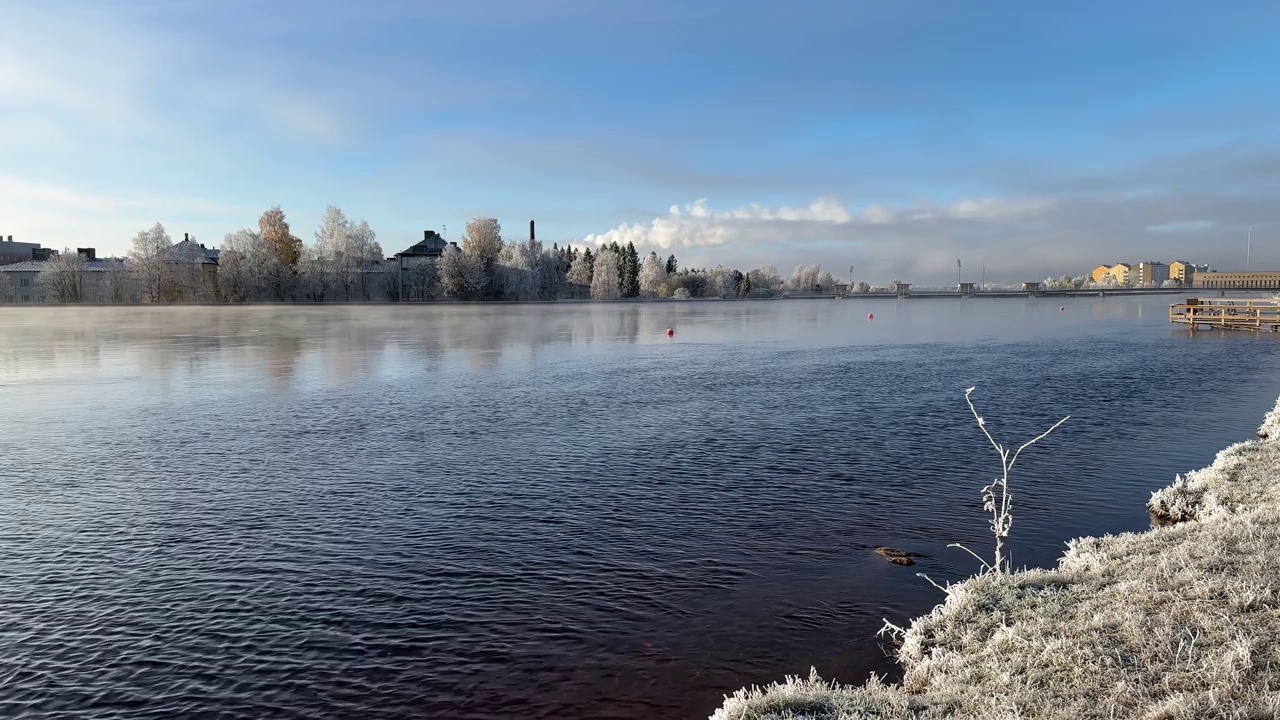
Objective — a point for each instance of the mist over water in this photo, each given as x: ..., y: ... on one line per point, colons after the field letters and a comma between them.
x: 549, y: 511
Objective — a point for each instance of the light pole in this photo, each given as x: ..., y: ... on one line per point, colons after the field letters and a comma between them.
x: 1248, y: 248
x: 958, y: 283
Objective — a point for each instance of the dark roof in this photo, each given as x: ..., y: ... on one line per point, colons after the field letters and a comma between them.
x: 38, y: 265
x: 189, y: 250
x: 431, y: 245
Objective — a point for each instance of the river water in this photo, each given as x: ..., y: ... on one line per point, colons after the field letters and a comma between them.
x: 549, y: 511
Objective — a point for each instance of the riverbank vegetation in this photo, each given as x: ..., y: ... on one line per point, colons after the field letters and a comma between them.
x: 344, y: 262
x: 1176, y: 622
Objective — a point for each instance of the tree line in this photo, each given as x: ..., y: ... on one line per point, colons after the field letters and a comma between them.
x: 345, y: 262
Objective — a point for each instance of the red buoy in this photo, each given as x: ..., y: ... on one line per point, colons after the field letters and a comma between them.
x: 871, y: 316
x: 1061, y: 309
x: 670, y: 332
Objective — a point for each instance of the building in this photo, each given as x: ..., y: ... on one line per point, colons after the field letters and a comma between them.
x: 1031, y: 287
x: 19, y: 282
x: 1121, y: 273
x: 197, y: 269
x: 1100, y: 272
x: 1184, y: 272
x: 1256, y: 280
x: 1150, y: 273
x: 15, y: 252
x: 408, y: 263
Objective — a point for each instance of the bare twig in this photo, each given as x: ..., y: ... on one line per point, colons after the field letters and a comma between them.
x: 996, y: 497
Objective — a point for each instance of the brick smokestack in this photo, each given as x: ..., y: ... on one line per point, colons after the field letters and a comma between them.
x: 184, y: 237
x: 531, y: 235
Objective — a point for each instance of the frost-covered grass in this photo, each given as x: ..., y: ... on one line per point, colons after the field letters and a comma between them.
x: 1181, y: 621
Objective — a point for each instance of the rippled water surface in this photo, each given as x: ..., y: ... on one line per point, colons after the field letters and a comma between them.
x: 548, y: 511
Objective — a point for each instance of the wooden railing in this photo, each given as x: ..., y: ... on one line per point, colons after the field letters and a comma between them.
x: 1236, y: 313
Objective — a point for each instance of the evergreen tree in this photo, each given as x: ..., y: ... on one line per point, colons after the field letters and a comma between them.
x: 630, y: 280
x: 671, y: 264
x: 737, y: 282
x: 746, y: 285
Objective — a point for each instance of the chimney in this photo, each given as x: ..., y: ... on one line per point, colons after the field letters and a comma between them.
x: 426, y: 235
x: 10, y: 238
x: 531, y: 236
x: 184, y: 237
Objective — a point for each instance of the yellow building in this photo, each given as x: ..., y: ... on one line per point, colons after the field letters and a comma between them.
x: 1238, y: 280
x: 1182, y: 271
x: 1100, y: 272
x: 1120, y: 271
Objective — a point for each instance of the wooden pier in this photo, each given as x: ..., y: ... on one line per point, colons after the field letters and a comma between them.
x: 1227, y: 313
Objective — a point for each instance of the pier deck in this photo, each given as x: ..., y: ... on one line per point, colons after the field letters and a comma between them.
x: 1227, y: 313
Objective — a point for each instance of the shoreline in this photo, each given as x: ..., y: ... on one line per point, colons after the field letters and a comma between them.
x: 1178, y: 621
x: 914, y: 295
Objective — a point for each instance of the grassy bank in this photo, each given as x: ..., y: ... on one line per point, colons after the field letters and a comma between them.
x: 1181, y: 621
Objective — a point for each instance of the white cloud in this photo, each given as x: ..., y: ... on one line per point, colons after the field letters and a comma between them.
x: 826, y: 218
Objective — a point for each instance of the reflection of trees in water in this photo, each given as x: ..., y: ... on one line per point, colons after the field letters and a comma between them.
x: 342, y: 343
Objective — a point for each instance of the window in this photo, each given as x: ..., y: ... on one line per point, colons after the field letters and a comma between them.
x: 24, y: 282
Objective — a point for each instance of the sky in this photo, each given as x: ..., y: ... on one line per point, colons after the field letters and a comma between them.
x: 893, y: 138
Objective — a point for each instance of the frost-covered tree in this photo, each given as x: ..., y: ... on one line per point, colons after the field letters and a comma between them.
x: 117, y: 284
x: 721, y: 282
x: 864, y: 287
x: 482, y: 239
x: 6, y: 289
x: 65, y: 278
x: 653, y: 276
x: 151, y: 263
x: 519, y: 268
x: 326, y: 264
x: 362, y: 254
x: 580, y: 269
x: 248, y: 267
x: 462, y: 276
x: 826, y: 281
x: 804, y: 277
x: 604, y: 277
x: 765, y: 278
x: 553, y: 272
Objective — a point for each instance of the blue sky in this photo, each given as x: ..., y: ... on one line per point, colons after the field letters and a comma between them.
x: 1039, y: 138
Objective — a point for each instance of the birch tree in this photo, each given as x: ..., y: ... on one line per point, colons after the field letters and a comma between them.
x: 765, y: 278
x: 482, y: 239
x: 462, y: 276
x: 520, y: 268
x: 604, y: 276
x: 151, y: 263
x: 64, y: 278
x: 653, y: 276
x: 804, y: 277
x: 580, y: 269
x: 327, y: 264
x: 287, y: 249
x: 362, y: 253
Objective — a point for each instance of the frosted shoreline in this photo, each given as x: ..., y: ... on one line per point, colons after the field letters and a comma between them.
x: 1179, y: 621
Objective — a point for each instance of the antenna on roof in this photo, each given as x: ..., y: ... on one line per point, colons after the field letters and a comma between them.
x: 442, y: 232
